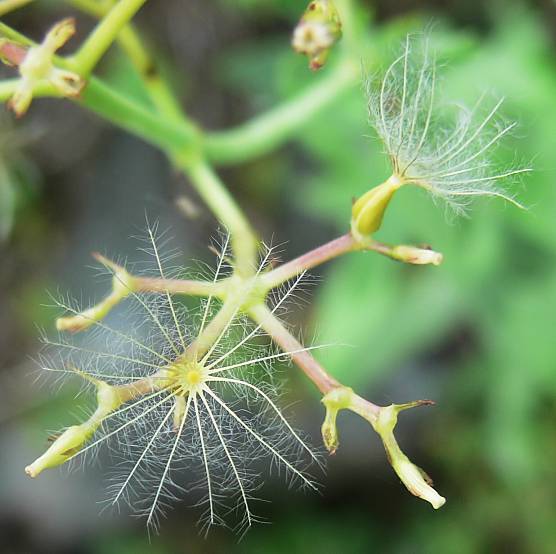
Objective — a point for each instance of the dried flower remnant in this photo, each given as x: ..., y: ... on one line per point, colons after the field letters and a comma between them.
x: 450, y: 156
x: 413, y: 477
x: 317, y: 31
x: 36, y: 65
x: 383, y: 420
x: 165, y: 404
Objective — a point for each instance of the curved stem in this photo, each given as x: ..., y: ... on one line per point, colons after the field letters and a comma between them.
x: 134, y: 117
x: 265, y: 132
x: 133, y: 46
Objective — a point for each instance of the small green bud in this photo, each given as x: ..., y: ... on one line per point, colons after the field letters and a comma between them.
x: 337, y: 399
x: 317, y: 31
x: 414, y: 478
x: 368, y: 211
x: 123, y: 284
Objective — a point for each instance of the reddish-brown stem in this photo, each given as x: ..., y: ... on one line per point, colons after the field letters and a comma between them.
x: 328, y: 251
x: 288, y: 343
x: 306, y: 362
x: 342, y: 245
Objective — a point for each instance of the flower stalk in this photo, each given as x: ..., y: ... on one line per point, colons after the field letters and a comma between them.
x: 402, y: 110
x: 383, y: 420
x: 109, y: 398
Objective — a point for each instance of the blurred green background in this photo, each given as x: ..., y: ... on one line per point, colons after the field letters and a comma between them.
x: 476, y: 334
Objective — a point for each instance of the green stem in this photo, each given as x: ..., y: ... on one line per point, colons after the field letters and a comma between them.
x: 7, y: 88
x: 9, y: 33
x: 141, y: 59
x: 179, y: 141
x: 134, y: 117
x: 265, y: 132
x: 7, y: 6
x: 212, y: 332
x: 104, y: 34
x: 219, y: 200
x: 128, y: 38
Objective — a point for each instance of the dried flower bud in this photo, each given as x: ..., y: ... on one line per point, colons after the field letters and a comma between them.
x: 317, y: 31
x: 414, y: 478
x: 414, y: 255
x: 37, y: 65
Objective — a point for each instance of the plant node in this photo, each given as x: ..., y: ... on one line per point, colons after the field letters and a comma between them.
x: 36, y: 65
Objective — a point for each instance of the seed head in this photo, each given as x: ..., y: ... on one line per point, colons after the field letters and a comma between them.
x: 447, y: 152
x: 176, y: 416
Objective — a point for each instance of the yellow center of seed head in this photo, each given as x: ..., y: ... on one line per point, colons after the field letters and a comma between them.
x: 188, y: 376
x: 193, y: 376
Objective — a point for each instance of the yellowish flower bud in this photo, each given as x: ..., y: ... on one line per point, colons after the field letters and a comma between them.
x: 414, y: 255
x: 67, y: 444
x: 367, y: 212
x: 74, y: 437
x: 317, y: 31
x: 336, y: 400
x: 415, y: 479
